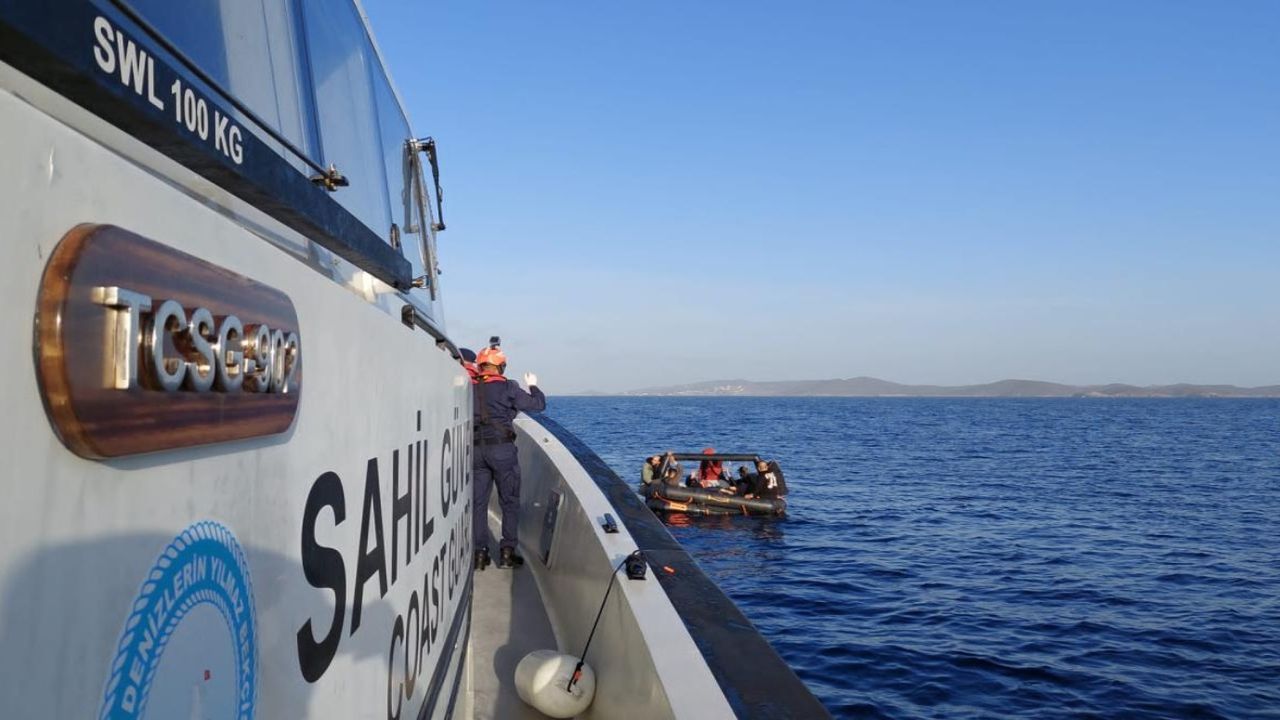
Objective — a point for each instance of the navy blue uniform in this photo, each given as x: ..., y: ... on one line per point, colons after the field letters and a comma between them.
x: 496, y: 405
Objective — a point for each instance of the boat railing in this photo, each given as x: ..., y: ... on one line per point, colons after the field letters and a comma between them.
x: 672, y: 645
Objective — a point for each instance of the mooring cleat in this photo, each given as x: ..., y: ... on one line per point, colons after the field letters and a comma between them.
x: 508, y: 558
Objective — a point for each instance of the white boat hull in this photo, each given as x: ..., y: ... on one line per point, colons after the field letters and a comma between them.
x: 81, y: 538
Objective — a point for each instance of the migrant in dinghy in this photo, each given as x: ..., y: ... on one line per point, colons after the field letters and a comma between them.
x: 757, y: 488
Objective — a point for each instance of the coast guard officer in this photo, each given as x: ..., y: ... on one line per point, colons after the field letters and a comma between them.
x: 497, y: 402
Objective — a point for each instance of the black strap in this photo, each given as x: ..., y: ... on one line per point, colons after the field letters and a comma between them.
x: 507, y: 434
x: 484, y: 406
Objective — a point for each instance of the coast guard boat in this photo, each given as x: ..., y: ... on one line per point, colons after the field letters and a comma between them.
x: 237, y: 439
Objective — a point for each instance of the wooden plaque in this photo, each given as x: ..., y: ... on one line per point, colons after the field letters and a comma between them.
x: 77, y: 348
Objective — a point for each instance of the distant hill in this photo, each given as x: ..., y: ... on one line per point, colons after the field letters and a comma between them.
x: 874, y: 387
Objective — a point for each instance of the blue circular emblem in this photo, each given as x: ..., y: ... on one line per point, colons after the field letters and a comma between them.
x: 202, y: 566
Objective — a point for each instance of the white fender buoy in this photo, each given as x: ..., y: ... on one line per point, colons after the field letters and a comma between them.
x: 541, y: 678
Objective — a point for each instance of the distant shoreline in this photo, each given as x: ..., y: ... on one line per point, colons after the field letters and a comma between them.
x: 604, y: 395
x: 868, y: 387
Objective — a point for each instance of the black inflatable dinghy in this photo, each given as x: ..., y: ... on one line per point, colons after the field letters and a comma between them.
x: 750, y: 495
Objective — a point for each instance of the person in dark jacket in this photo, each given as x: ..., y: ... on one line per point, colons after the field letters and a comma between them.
x: 671, y: 477
x: 766, y: 482
x: 497, y: 403
x: 669, y: 462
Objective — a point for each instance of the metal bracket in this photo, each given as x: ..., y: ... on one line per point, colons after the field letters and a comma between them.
x: 609, y: 524
x: 330, y: 179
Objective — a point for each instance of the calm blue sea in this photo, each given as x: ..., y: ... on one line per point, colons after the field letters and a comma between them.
x: 995, y: 558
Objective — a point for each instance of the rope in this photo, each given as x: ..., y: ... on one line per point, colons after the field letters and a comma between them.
x: 582, y: 659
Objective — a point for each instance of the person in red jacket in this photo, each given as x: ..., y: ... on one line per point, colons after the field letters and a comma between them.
x: 469, y: 364
x: 711, y: 473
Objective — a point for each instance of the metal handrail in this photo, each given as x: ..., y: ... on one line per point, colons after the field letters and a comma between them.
x: 716, y: 456
x: 413, y: 317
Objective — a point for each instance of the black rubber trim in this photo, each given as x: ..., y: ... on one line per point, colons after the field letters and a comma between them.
x: 457, y: 677
x: 53, y: 43
x: 442, y: 667
x: 754, y: 679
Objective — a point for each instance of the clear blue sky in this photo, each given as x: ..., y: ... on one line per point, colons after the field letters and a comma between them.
x: 942, y: 191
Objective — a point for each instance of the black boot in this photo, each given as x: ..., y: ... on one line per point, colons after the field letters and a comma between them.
x: 509, y: 559
x: 482, y: 558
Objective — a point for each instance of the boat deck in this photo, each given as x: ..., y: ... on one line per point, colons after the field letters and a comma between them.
x: 508, y: 622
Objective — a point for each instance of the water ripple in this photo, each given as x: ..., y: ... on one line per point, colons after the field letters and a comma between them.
x: 995, y: 558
